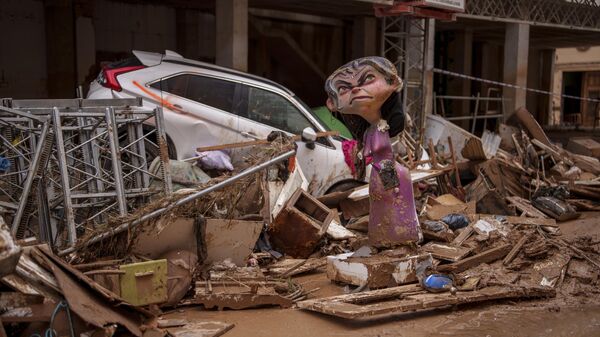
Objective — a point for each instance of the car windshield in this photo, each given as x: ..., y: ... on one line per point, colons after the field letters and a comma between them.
x: 311, y: 112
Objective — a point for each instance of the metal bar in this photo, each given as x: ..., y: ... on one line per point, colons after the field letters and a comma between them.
x: 475, y: 114
x: 181, y: 201
x: 33, y: 172
x: 133, y: 191
x: 163, y: 150
x: 472, y: 98
x: 113, y: 139
x: 23, y: 114
x: 64, y: 176
x: 539, y: 24
x: 134, y: 158
x: 76, y: 103
x: 460, y: 118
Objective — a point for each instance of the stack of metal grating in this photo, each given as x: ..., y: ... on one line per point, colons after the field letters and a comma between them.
x: 68, y: 166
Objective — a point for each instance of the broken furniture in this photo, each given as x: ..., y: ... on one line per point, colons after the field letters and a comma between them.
x: 299, y: 226
x: 410, y: 298
x: 376, y: 271
x: 144, y: 283
x: 243, y: 288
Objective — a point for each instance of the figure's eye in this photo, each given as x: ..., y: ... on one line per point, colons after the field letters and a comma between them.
x: 343, y: 89
x: 369, y: 77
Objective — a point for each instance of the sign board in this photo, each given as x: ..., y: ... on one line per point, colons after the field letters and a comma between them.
x: 452, y: 5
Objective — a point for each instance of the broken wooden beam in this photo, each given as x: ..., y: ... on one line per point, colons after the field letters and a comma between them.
x: 464, y: 235
x: 445, y: 252
x: 257, y: 142
x: 399, y: 300
x: 516, y: 249
x: 475, y: 260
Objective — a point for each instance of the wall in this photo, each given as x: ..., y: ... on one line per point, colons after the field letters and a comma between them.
x: 571, y: 59
x: 295, y: 54
x: 23, y: 58
x: 121, y: 27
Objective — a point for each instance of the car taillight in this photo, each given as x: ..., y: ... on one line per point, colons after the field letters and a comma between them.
x: 108, y: 77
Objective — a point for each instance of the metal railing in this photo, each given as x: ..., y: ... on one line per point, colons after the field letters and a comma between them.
x: 475, y: 115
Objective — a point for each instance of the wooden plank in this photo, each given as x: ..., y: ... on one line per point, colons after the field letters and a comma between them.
x: 15, y: 300
x: 379, y: 294
x: 475, y: 260
x: 526, y: 207
x: 532, y: 126
x: 96, y: 264
x: 354, y: 208
x: 519, y: 220
x: 258, y: 142
x: 437, y: 212
x: 445, y: 252
x: 202, y: 329
x: 437, y: 236
x: 464, y: 235
x: 29, y: 314
x: 361, y: 224
x: 516, y: 249
x: 339, y: 305
x: 295, y: 266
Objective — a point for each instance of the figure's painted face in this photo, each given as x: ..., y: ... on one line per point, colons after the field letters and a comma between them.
x: 361, y: 91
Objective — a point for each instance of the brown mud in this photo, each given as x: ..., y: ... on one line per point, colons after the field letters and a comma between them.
x: 565, y: 315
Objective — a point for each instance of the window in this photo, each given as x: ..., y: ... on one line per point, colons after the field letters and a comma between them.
x: 274, y: 110
x: 206, y: 90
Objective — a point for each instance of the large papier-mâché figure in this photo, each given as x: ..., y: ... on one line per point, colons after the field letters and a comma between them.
x: 365, y: 93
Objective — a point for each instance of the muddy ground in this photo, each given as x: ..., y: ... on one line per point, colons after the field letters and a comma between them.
x: 565, y: 315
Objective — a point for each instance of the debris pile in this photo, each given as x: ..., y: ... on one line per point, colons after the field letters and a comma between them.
x: 238, y: 236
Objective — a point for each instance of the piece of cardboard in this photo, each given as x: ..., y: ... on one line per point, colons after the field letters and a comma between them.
x: 230, y: 239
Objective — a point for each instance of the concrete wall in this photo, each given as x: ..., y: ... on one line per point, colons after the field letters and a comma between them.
x: 570, y: 59
x: 23, y: 57
x: 575, y: 55
x: 84, y: 34
x: 121, y: 27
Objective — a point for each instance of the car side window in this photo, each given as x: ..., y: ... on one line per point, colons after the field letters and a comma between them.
x: 206, y: 90
x: 274, y: 110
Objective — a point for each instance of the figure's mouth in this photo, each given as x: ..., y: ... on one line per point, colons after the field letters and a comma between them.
x: 359, y: 98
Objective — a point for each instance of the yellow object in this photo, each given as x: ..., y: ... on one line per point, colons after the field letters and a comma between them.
x: 145, y: 282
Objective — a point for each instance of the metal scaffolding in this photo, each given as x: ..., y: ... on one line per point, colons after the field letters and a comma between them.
x: 408, y: 44
x: 573, y: 14
x: 72, y: 165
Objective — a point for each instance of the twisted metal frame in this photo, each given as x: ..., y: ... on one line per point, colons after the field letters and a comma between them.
x: 80, y: 162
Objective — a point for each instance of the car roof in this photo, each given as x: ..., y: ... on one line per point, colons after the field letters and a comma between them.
x: 152, y: 59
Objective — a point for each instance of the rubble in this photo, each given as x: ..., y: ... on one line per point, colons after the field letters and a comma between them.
x: 410, y: 298
x: 248, y: 238
x: 299, y: 226
x: 376, y: 271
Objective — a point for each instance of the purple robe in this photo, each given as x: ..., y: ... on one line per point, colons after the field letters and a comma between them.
x: 393, y: 217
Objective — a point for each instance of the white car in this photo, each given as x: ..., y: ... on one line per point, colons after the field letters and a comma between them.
x: 207, y: 105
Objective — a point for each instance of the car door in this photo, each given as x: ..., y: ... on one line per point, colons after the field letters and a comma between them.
x: 200, y: 111
x: 262, y: 111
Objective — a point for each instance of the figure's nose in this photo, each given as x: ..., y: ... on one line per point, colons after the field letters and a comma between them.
x: 355, y: 90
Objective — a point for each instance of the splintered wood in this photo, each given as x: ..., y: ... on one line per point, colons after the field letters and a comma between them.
x: 411, y: 298
x: 475, y: 260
